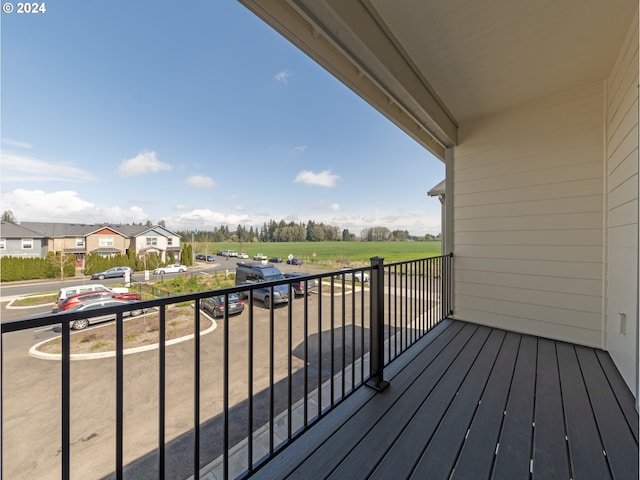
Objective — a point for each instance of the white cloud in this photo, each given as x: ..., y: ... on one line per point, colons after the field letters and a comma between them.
x: 17, y: 167
x: 334, y: 207
x: 65, y: 206
x: 322, y: 179
x: 10, y: 142
x: 299, y: 148
x: 144, y: 162
x: 283, y: 76
x: 200, y: 181
x: 205, y: 218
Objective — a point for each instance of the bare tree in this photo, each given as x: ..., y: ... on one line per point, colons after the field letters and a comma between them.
x: 60, y: 261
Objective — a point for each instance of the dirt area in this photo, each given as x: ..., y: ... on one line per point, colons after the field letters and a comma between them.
x: 138, y: 332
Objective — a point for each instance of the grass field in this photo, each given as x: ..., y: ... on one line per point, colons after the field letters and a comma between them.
x: 330, y: 252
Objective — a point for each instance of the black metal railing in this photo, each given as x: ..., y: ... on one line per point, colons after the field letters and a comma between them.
x: 259, y: 384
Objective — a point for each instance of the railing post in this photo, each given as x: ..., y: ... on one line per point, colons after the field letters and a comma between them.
x: 376, y: 325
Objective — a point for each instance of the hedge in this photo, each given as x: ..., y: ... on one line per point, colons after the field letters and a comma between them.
x: 19, y: 268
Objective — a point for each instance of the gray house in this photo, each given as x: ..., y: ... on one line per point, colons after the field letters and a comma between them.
x: 20, y: 241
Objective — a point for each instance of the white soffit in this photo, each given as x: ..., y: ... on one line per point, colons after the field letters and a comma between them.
x: 482, y: 56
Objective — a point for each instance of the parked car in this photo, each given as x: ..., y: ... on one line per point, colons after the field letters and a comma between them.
x: 243, y: 255
x: 359, y: 276
x: 295, y: 261
x: 275, y: 260
x: 201, y: 256
x: 75, y: 300
x: 215, y: 305
x: 229, y: 253
x: 260, y: 256
x: 299, y: 284
x: 65, y: 292
x: 173, y: 268
x: 109, y: 302
x: 251, y: 274
x: 211, y: 258
x: 112, y: 273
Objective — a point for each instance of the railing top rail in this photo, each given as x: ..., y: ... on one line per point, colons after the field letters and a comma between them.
x: 402, y: 262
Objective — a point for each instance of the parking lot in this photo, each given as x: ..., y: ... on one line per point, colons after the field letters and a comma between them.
x: 31, y: 388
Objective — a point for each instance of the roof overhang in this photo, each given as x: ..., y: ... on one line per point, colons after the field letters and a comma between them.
x: 429, y: 66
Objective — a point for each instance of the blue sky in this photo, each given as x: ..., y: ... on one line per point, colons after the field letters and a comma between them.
x: 196, y: 113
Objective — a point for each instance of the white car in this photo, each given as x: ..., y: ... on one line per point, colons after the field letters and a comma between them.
x: 354, y: 277
x: 173, y: 268
x: 259, y: 256
x: 243, y: 255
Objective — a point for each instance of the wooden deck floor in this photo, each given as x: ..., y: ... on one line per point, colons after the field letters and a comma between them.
x: 472, y: 402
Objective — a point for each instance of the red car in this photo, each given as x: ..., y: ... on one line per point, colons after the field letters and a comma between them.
x: 75, y: 300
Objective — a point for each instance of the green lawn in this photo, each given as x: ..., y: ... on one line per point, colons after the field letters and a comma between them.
x: 330, y: 252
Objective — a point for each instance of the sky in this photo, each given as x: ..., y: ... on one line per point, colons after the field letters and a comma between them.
x: 196, y: 113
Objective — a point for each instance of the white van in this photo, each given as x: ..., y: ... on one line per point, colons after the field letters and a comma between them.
x: 94, y: 287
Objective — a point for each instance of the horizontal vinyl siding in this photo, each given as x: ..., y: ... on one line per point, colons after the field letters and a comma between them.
x: 528, y: 218
x: 622, y: 204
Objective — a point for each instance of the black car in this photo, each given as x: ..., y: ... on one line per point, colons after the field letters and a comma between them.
x: 215, y: 305
x: 201, y: 256
x: 275, y: 260
x: 295, y: 261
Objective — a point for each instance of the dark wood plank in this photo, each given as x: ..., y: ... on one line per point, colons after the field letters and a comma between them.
x: 361, y: 459
x: 514, y: 449
x: 476, y: 457
x: 329, y: 455
x: 550, y: 455
x: 621, y: 391
x: 585, y: 448
x: 401, y: 458
x: 439, y: 457
x: 618, y: 440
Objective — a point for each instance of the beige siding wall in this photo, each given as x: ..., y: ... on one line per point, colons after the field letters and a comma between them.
x: 622, y: 210
x: 529, y: 218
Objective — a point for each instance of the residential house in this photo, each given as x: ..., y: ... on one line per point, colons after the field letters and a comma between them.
x: 84, y: 239
x: 156, y: 239
x: 20, y: 241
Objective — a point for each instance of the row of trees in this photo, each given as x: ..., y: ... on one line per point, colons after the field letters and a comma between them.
x: 311, y: 231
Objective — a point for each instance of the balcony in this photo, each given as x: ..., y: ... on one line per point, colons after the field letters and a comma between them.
x: 284, y: 392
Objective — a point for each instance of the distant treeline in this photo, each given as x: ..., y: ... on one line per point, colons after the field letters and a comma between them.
x: 299, y: 232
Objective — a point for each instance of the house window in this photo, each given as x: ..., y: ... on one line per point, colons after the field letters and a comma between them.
x: 105, y: 242
x: 169, y: 241
x: 27, y: 243
x: 3, y: 243
x: 152, y: 241
x: 79, y: 241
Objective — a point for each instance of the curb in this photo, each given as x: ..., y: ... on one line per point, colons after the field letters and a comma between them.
x: 129, y: 351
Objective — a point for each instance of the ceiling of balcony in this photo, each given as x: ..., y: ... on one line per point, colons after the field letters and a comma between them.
x: 440, y: 62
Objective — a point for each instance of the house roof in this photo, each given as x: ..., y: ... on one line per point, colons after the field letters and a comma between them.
x: 438, y: 189
x: 428, y: 66
x: 14, y: 230
x: 57, y: 230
